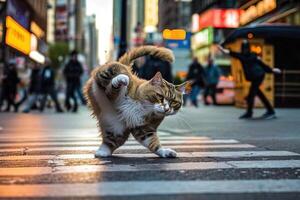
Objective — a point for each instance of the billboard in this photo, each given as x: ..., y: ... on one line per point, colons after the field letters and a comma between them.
x: 218, y: 18
x: 17, y: 36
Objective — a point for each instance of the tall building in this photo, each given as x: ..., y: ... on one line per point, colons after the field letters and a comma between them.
x: 51, y: 21
x: 91, y: 42
x: 134, y: 22
x: 69, y: 16
x: 174, y: 14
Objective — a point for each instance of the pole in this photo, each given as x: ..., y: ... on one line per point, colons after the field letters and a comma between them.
x: 123, y: 34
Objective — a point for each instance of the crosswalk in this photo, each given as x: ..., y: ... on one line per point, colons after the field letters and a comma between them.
x: 63, y: 166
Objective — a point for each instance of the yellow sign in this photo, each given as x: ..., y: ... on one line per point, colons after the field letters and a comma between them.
x: 257, y: 10
x: 151, y: 15
x: 17, y: 36
x: 175, y: 34
x: 36, y: 30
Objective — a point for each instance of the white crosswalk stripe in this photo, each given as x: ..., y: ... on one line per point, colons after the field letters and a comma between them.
x: 91, y: 143
x: 237, y: 156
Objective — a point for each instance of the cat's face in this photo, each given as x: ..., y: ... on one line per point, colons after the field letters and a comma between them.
x: 165, y: 97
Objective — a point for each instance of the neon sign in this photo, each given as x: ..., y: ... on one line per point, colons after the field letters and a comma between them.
x: 257, y: 10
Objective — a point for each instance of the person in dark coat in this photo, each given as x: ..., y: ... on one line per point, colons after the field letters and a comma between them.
x: 34, y: 88
x: 254, y: 70
x: 48, y: 87
x: 72, y: 72
x: 153, y: 65
x: 212, y: 76
x: 196, y: 75
x: 9, y: 87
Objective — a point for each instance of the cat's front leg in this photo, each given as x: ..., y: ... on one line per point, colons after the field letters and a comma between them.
x: 151, y: 141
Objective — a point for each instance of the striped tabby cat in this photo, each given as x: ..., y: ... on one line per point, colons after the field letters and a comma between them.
x: 124, y: 104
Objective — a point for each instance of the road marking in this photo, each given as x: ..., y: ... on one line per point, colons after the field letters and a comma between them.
x: 133, y: 147
x: 222, y: 154
x: 87, y: 138
x: 91, y: 143
x: 135, y: 188
x: 256, y: 164
x: 58, y: 134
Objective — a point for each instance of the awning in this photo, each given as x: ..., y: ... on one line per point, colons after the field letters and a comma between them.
x: 267, y: 31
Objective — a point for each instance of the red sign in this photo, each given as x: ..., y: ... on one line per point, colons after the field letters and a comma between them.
x: 220, y: 18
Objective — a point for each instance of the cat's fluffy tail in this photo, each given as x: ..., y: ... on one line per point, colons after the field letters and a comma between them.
x: 158, y: 52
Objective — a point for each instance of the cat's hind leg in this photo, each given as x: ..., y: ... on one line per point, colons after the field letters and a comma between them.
x: 150, y: 140
x: 110, y: 143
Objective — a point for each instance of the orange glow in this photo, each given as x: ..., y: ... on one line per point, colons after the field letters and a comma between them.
x: 17, y: 36
x: 181, y: 74
x: 36, y: 30
x: 257, y: 10
x: 175, y: 34
x: 256, y: 49
x: 250, y: 35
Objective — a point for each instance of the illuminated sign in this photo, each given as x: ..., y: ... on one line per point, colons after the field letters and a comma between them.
x: 151, y: 15
x: 195, y: 23
x: 33, y: 43
x: 203, y: 38
x: 17, y: 36
x: 34, y: 28
x: 219, y: 18
x: 257, y: 10
x: 175, y: 34
x: 38, y: 57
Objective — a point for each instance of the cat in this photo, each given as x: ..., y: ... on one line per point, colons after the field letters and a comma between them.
x: 124, y: 104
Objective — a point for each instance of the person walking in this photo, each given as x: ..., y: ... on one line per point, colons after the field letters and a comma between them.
x: 212, y: 76
x: 72, y: 72
x: 9, y: 87
x: 34, y: 88
x: 196, y: 75
x: 48, y: 87
x: 254, y: 70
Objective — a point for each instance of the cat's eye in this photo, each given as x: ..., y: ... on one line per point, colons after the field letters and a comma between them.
x: 160, y: 97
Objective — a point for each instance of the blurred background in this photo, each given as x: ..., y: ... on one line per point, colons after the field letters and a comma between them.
x: 33, y: 30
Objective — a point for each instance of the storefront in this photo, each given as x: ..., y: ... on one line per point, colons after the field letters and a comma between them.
x: 23, y: 39
x: 209, y: 29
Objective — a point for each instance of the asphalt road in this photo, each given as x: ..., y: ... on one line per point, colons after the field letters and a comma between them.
x: 50, y: 156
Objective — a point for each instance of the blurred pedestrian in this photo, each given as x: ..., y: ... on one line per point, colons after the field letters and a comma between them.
x: 212, y: 76
x: 153, y: 65
x: 34, y: 88
x: 254, y: 70
x: 72, y: 72
x: 9, y: 86
x: 196, y: 75
x: 48, y: 87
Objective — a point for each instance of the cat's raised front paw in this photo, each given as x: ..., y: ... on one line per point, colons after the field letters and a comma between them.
x: 103, y: 151
x: 166, y: 153
x: 120, y: 80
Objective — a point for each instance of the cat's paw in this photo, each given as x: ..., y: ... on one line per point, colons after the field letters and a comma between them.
x: 120, y: 80
x: 166, y: 153
x: 103, y: 151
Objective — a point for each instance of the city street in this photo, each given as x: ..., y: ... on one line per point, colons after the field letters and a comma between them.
x: 46, y: 156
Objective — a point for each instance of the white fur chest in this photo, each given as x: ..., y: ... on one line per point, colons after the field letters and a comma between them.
x: 131, y: 112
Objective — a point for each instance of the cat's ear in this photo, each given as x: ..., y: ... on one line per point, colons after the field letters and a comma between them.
x: 185, y: 88
x: 157, y: 79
